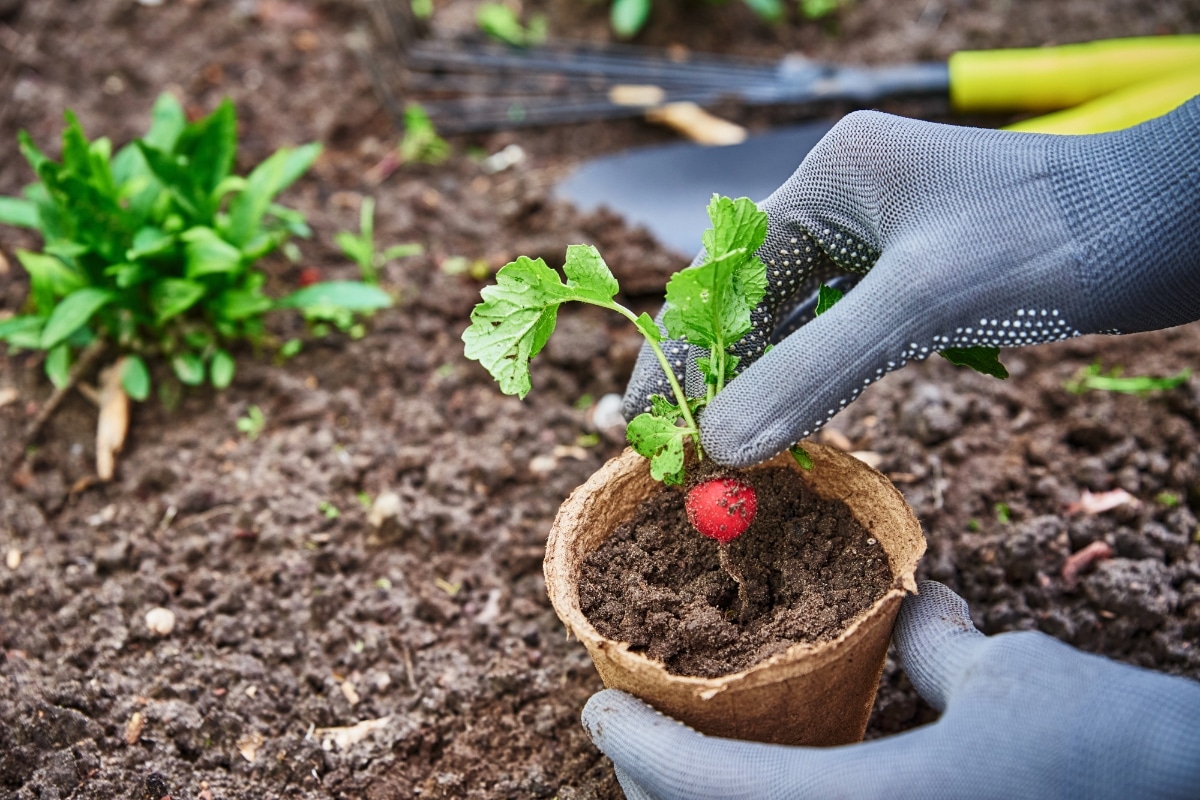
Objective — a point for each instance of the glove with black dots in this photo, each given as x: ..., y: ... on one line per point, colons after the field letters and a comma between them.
x: 956, y: 237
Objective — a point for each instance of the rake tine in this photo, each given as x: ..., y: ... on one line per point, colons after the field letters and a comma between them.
x: 645, y: 69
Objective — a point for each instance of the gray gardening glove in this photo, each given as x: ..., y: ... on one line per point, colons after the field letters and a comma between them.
x: 1024, y: 715
x: 961, y: 237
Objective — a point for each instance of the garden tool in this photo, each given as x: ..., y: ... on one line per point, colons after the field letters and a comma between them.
x: 1109, y: 85
x: 486, y: 87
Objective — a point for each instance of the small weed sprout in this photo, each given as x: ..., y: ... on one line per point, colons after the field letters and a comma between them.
x: 421, y: 143
x: 1167, y: 499
x: 253, y: 423
x: 1094, y: 378
x: 360, y: 247
x: 501, y: 23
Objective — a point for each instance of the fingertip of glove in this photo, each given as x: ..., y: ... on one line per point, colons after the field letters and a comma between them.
x: 935, y: 599
x: 604, y: 705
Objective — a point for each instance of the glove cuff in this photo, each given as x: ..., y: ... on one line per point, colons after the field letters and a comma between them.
x: 1131, y: 200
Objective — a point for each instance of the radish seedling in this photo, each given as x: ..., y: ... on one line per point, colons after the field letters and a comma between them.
x: 708, y: 305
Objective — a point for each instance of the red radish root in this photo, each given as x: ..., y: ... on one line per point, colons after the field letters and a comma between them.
x: 721, y: 508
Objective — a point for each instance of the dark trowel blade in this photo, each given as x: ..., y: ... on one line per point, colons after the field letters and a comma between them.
x: 666, y: 188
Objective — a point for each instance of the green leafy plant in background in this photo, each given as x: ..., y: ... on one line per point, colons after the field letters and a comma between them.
x: 502, y: 23
x: 360, y: 247
x: 420, y: 142
x: 627, y: 17
x: 819, y: 9
x: 152, y: 250
x: 1094, y: 378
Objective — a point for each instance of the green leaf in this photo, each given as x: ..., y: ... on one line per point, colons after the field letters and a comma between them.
x: 517, y: 315
x: 32, y: 154
x: 206, y: 253
x: 818, y: 9
x: 709, y: 371
x: 23, y: 331
x: 171, y: 297
x: 51, y: 222
x: 221, y: 369
x: 100, y: 158
x: 188, y: 368
x: 1093, y: 378
x: 167, y: 121
x: 348, y: 295
x: 802, y: 457
x: 663, y: 408
x: 501, y: 22
x: 73, y: 313
x: 628, y: 16
x: 58, y: 365
x: 826, y: 297
x: 588, y: 277
x: 239, y: 304
x: 135, y: 378
x: 355, y: 249
x: 709, y: 304
x: 402, y: 251
x: 174, y: 176
x: 49, y: 278
x: 293, y: 221
x: 127, y: 275
x: 75, y: 146
x: 209, y: 145
x: 150, y: 242
x: 979, y: 358
x: 266, y: 180
x: 661, y: 441
x: 736, y: 224
x: 646, y: 324
x: 22, y: 213
x: 421, y: 142
x: 769, y: 10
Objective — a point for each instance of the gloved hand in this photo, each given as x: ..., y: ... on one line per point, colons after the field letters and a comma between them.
x: 961, y: 237
x: 1024, y: 715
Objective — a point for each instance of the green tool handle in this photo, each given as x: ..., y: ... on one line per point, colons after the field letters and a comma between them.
x: 1051, y: 78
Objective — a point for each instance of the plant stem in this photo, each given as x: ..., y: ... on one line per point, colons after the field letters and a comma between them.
x: 736, y: 574
x: 676, y: 389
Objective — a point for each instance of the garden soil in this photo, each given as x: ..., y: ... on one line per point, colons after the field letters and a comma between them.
x: 315, y: 655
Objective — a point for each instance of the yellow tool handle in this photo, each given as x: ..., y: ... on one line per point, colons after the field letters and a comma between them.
x: 1123, y: 108
x: 1050, y: 78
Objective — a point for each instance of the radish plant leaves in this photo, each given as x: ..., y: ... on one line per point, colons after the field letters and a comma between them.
x: 708, y: 304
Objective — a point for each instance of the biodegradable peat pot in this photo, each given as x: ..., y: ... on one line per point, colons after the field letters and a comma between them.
x: 812, y: 694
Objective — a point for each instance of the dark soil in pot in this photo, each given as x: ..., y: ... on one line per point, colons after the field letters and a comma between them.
x: 807, y: 565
